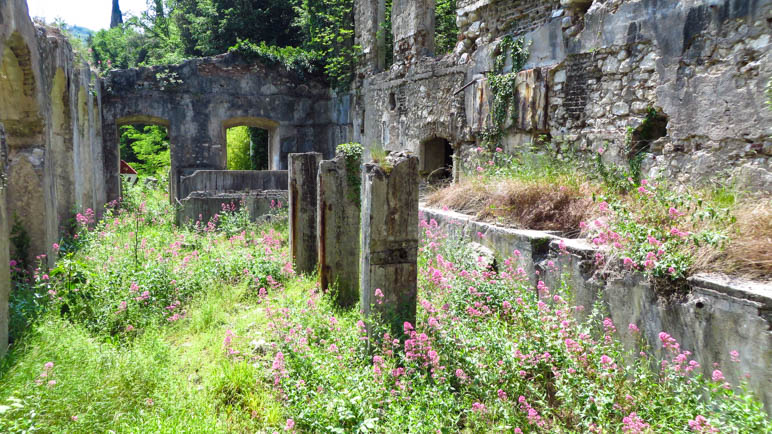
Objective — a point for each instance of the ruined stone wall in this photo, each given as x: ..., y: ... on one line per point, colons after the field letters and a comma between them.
x: 199, y: 99
x: 50, y: 132
x: 699, y: 68
x: 403, y: 108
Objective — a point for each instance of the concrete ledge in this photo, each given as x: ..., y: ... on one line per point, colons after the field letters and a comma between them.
x: 719, y: 314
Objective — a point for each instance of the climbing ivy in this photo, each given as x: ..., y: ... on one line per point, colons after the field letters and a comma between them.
x: 352, y: 154
x: 503, y: 86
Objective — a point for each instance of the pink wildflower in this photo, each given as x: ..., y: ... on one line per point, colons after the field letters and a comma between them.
x: 718, y: 376
x: 633, y: 424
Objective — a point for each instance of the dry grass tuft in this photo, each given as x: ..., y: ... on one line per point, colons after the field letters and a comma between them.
x: 748, y: 252
x: 524, y: 204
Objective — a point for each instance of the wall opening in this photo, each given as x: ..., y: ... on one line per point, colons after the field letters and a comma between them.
x: 145, y: 146
x: 248, y: 148
x: 653, y: 127
x: 445, y: 28
x: 386, y: 33
x: 252, y: 144
x: 436, y: 160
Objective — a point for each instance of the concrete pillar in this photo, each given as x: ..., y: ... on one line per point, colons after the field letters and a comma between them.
x: 390, y: 239
x: 338, y: 228
x: 5, y: 278
x: 303, y: 170
x: 369, y: 16
x: 412, y: 23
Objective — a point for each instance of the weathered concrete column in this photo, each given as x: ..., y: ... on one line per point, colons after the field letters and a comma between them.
x: 338, y: 227
x: 5, y: 278
x: 390, y: 239
x: 303, y: 170
x: 412, y: 23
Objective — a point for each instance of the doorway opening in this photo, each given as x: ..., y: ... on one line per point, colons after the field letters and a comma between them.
x: 145, y: 147
x: 436, y: 159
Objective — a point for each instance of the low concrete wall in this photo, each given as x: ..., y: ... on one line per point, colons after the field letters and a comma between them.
x: 717, y: 315
x: 228, y: 181
x: 203, y: 206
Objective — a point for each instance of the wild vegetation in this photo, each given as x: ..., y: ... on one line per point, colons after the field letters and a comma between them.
x: 647, y: 225
x: 143, y: 326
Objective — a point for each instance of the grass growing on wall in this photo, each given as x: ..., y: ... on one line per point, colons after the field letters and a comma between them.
x: 649, y: 225
x: 146, y: 327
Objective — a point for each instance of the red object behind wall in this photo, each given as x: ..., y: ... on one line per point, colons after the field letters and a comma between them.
x: 126, y: 169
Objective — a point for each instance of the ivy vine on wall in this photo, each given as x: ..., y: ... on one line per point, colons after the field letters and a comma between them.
x: 503, y: 86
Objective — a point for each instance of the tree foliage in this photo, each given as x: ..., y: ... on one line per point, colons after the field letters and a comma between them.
x: 247, y: 148
x: 152, y: 38
x: 210, y: 27
x: 146, y: 148
x: 238, y: 149
x: 327, y: 27
x: 446, y: 31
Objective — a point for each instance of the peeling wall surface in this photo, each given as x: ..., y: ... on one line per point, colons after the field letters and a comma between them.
x: 199, y: 99
x: 595, y: 70
x: 50, y: 131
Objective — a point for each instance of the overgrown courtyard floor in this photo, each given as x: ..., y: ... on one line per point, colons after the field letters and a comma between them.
x: 146, y: 327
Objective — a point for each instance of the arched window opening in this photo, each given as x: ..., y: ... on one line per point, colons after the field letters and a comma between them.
x: 20, y: 112
x: 251, y: 143
x: 248, y: 148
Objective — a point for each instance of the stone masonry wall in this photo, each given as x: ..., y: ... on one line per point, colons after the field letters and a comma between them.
x: 48, y: 108
x: 701, y: 67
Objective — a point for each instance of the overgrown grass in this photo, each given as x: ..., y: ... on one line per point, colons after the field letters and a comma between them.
x: 251, y: 347
x: 653, y: 226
